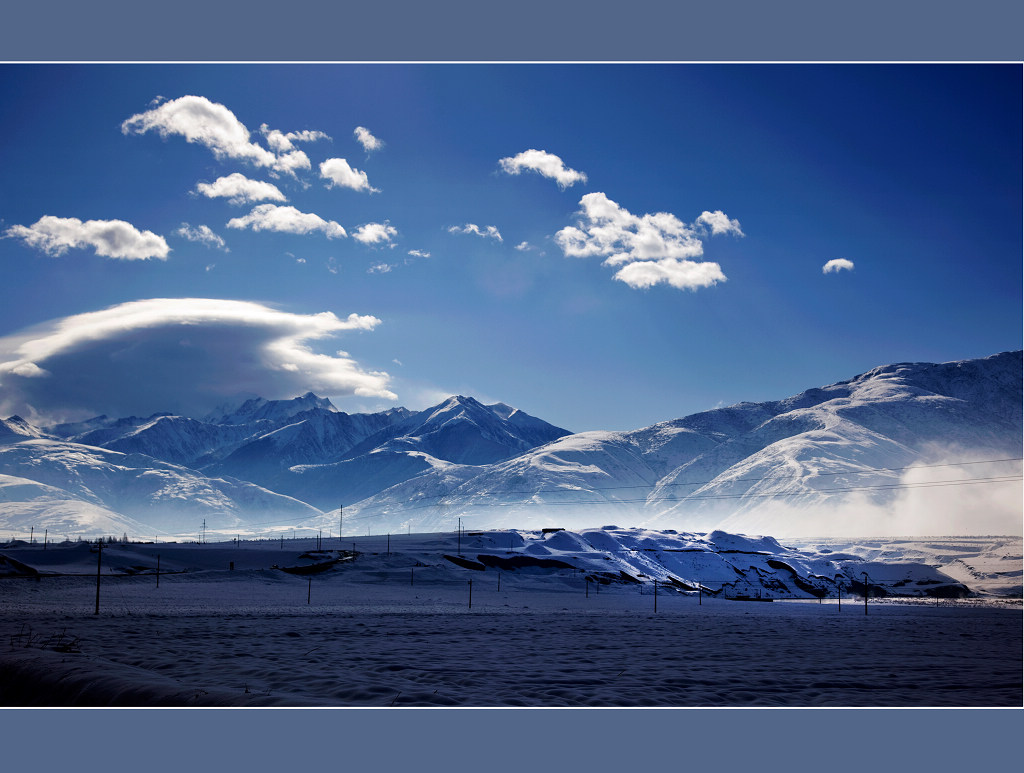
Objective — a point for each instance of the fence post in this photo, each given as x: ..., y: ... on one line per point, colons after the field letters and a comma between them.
x: 470, y: 594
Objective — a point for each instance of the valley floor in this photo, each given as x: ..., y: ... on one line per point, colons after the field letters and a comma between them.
x: 250, y: 638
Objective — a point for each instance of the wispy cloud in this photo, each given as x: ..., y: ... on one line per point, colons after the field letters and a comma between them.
x: 202, y: 234
x: 836, y: 265
x: 109, y: 238
x: 545, y: 164
x: 490, y: 231
x: 271, y: 217
x: 285, y: 143
x: 652, y: 249
x: 367, y: 140
x: 239, y: 189
x: 338, y: 172
x: 194, y: 352
x: 380, y: 268
x: 375, y: 233
x: 419, y: 254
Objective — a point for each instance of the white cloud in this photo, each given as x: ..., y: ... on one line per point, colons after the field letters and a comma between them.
x: 683, y: 274
x: 109, y: 238
x: 199, y: 120
x: 836, y: 265
x: 180, y: 354
x: 544, y: 163
x: 239, y: 189
x: 719, y: 223
x: 524, y: 246
x: 490, y: 231
x: 338, y: 172
x: 654, y: 248
x: 367, y: 140
x: 419, y: 253
x: 202, y: 234
x: 271, y: 217
x: 379, y: 268
x: 375, y: 233
x: 284, y: 143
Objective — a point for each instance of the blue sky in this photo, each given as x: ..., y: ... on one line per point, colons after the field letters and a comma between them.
x: 661, y: 252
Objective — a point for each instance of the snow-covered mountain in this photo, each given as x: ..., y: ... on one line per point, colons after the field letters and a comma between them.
x: 271, y: 459
x: 856, y: 440
x: 46, y: 477
x: 833, y: 460
x: 340, y: 459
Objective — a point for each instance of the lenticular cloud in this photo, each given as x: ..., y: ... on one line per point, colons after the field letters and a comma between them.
x: 189, y: 353
x: 652, y: 249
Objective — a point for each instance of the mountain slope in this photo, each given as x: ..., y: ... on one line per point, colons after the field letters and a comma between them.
x: 817, y: 448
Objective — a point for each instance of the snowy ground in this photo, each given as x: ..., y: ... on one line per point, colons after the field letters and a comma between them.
x: 397, y: 629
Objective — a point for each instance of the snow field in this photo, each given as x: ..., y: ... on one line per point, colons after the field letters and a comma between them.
x: 371, y: 639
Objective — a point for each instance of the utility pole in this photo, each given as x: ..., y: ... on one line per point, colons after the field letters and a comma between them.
x: 99, y: 560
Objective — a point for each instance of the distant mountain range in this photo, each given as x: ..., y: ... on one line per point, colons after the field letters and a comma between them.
x: 266, y: 465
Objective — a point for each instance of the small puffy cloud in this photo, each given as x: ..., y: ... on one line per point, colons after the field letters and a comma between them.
x: 524, y: 246
x: 719, y: 223
x: 379, y: 268
x: 836, y: 265
x: 544, y: 163
x: 683, y: 274
x: 490, y: 232
x: 271, y: 217
x: 202, y: 234
x: 338, y: 172
x: 239, y: 189
x: 419, y: 254
x: 201, y: 121
x: 375, y: 233
x: 367, y: 140
x: 109, y: 238
x: 180, y: 354
x: 652, y: 249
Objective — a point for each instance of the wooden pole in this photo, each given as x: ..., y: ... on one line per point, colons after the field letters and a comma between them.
x: 309, y: 590
x: 470, y: 594
x: 389, y: 543
x: 99, y: 561
x: 865, y: 592
x: 499, y: 581
x: 46, y: 534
